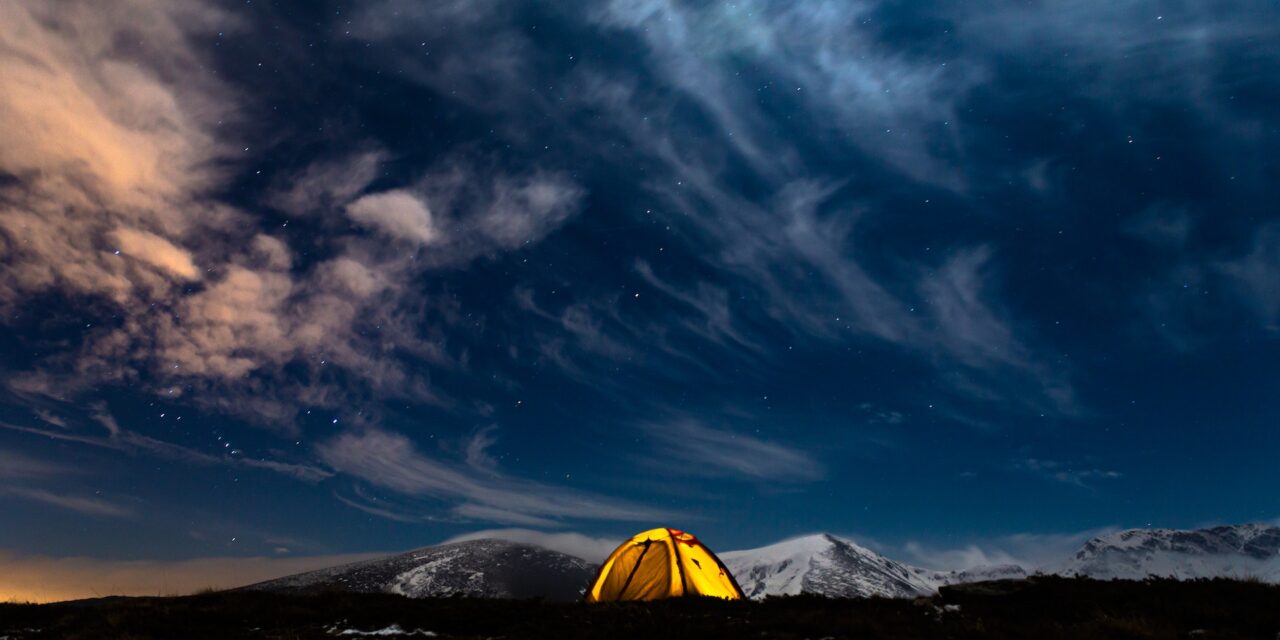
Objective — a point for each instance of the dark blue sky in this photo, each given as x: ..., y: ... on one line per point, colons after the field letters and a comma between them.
x: 325, y: 277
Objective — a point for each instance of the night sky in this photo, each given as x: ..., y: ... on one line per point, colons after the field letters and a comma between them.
x: 966, y: 281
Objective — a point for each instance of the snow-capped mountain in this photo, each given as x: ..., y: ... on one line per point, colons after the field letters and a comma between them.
x: 823, y: 564
x: 1236, y: 551
x: 820, y: 564
x: 477, y: 568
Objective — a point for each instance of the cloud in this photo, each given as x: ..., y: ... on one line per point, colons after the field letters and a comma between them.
x: 15, y: 465
x: 78, y: 504
x: 110, y: 171
x: 687, y: 447
x: 767, y: 134
x: 826, y: 54
x: 49, y: 418
x: 898, y: 101
x: 582, y: 338
x: 1256, y: 276
x: 157, y: 252
x: 484, y: 83
x: 497, y: 515
x: 463, y: 208
x: 327, y: 184
x: 523, y: 210
x: 1201, y: 298
x: 103, y: 417
x: 959, y: 558
x: 84, y: 116
x: 398, y: 214
x: 881, y: 415
x: 697, y: 109
x: 963, y: 323
x: 800, y: 249
x: 1161, y: 225
x: 242, y: 340
x: 1032, y: 551
x: 133, y: 443
x: 50, y: 579
x: 391, y: 461
x: 304, y: 472
x: 1082, y: 477
x: 714, y: 320
x: 977, y: 347
x: 105, y: 143
x: 20, y: 472
x: 588, y: 548
x: 477, y: 450
x: 1170, y: 53
x: 369, y: 505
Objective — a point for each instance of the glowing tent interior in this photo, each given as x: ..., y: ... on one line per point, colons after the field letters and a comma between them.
x: 662, y: 563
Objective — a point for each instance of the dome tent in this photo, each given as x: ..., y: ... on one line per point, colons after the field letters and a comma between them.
x: 662, y: 563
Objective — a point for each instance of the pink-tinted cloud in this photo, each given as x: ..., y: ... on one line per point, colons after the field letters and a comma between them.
x: 112, y: 149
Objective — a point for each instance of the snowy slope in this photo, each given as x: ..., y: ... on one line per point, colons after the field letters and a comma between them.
x: 981, y: 573
x: 477, y: 568
x: 1237, y: 551
x: 823, y: 564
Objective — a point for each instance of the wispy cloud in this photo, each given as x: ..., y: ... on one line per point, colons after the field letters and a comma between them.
x: 688, y: 447
x: 1032, y: 551
x: 79, y: 504
x: 880, y: 415
x: 1079, y: 476
x: 34, y: 480
x: 791, y: 243
x: 1161, y: 225
x: 591, y: 549
x: 18, y: 466
x: 392, y: 461
x: 1243, y: 285
x: 130, y: 442
x: 371, y: 506
x: 477, y: 450
x: 713, y: 319
x: 826, y: 54
x: 1256, y: 276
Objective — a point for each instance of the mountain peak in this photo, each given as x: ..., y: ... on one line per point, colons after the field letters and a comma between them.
x: 825, y: 564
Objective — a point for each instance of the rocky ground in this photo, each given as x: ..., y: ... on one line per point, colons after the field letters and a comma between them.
x: 1040, y: 608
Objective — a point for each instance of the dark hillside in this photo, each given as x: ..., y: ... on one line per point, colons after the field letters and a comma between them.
x: 1040, y: 608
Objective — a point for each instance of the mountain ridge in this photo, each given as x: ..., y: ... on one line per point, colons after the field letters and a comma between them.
x: 1240, y: 551
x: 489, y: 568
x: 821, y: 564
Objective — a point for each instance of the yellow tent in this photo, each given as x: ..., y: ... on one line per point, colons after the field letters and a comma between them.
x: 662, y: 563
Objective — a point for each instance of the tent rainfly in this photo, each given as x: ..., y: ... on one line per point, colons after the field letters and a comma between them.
x: 662, y: 563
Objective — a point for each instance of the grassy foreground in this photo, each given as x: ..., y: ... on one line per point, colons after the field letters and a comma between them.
x: 1042, y: 609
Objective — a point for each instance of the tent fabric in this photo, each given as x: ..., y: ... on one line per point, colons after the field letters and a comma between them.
x: 662, y: 563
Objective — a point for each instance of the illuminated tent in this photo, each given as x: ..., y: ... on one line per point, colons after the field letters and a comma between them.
x: 662, y: 563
